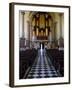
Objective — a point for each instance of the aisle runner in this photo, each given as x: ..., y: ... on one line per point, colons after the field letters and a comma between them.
x: 42, y: 68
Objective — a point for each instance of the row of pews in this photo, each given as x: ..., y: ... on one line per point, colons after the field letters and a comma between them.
x: 57, y: 59
x: 26, y: 59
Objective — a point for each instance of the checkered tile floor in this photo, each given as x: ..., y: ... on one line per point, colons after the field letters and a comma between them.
x: 42, y: 67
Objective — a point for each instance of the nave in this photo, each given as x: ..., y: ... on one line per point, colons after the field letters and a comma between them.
x: 46, y: 30
x: 42, y: 67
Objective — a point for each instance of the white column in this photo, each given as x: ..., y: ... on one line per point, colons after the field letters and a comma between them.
x: 57, y: 20
x: 20, y: 24
x: 23, y: 24
x: 50, y: 36
x: 62, y: 25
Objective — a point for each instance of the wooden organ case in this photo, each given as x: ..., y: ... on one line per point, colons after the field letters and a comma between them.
x: 41, y: 26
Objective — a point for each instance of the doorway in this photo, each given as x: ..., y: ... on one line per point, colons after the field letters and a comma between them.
x: 41, y: 45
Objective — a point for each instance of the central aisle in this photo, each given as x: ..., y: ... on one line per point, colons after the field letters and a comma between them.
x: 42, y: 67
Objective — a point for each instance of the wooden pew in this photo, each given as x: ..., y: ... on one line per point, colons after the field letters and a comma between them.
x: 26, y: 59
x: 57, y: 59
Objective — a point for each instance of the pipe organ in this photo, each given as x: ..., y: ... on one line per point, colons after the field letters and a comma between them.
x: 41, y: 25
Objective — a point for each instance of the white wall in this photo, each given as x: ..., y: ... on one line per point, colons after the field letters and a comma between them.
x: 4, y: 44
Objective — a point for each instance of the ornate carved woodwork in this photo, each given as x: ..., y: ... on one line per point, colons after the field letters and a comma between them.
x: 41, y: 25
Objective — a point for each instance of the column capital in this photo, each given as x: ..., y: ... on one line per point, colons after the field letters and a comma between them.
x: 23, y: 12
x: 60, y: 14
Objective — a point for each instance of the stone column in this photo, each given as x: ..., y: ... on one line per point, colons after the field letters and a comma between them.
x: 61, y: 25
x: 22, y: 24
x: 50, y: 36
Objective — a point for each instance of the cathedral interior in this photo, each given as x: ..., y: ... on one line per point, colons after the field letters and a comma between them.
x: 41, y: 44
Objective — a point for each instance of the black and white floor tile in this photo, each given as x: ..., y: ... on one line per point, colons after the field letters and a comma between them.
x: 42, y: 67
